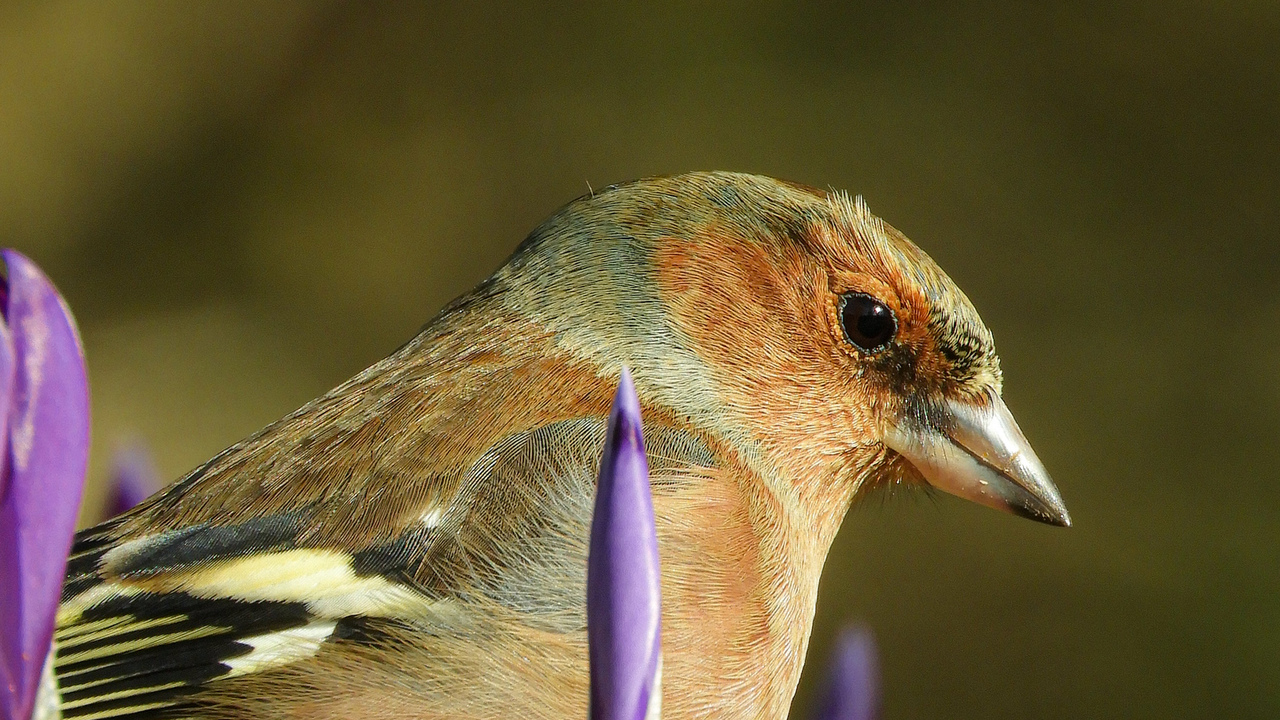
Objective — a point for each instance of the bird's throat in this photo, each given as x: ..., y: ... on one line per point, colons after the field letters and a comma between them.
x: 739, y: 588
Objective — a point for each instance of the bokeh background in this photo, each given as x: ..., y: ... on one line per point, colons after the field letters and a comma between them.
x: 247, y: 202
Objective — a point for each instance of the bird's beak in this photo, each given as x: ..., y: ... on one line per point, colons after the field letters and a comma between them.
x: 976, y: 451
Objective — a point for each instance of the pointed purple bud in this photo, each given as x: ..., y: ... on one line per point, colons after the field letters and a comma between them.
x: 133, y: 478
x: 8, y: 366
x: 47, y: 448
x: 624, y: 605
x: 852, y: 690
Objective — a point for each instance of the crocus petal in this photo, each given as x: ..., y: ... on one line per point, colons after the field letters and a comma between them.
x: 852, y: 691
x: 48, y: 445
x: 623, y: 599
x: 9, y: 667
x: 133, y: 478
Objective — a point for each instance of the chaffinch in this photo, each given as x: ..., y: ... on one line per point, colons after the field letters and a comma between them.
x: 412, y: 544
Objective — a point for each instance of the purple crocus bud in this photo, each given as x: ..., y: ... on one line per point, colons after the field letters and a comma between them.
x: 624, y: 605
x: 133, y: 478
x: 852, y: 691
x: 44, y: 406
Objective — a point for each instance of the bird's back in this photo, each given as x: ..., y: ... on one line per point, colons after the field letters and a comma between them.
x: 422, y: 526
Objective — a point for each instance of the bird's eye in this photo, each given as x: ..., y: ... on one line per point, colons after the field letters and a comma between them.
x: 867, y: 322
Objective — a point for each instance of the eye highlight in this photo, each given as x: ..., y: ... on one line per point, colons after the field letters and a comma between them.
x: 867, y: 322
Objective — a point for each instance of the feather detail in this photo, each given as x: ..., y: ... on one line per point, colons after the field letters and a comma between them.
x: 274, y: 649
x: 139, y: 651
x: 160, y: 617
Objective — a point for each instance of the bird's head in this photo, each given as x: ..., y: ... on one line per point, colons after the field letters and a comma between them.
x: 829, y: 350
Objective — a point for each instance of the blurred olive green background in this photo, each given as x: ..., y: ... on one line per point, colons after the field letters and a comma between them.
x: 246, y: 203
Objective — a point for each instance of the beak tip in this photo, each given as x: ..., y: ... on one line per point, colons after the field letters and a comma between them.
x: 1052, y: 510
x: 1055, y: 515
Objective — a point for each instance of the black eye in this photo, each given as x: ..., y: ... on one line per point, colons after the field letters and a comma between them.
x: 867, y: 322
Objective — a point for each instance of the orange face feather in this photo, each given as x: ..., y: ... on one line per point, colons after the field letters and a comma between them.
x: 412, y: 544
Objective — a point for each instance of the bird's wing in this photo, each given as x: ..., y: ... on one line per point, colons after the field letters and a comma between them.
x: 148, y: 620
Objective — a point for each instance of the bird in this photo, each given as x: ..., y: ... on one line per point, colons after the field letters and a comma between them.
x: 412, y: 544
